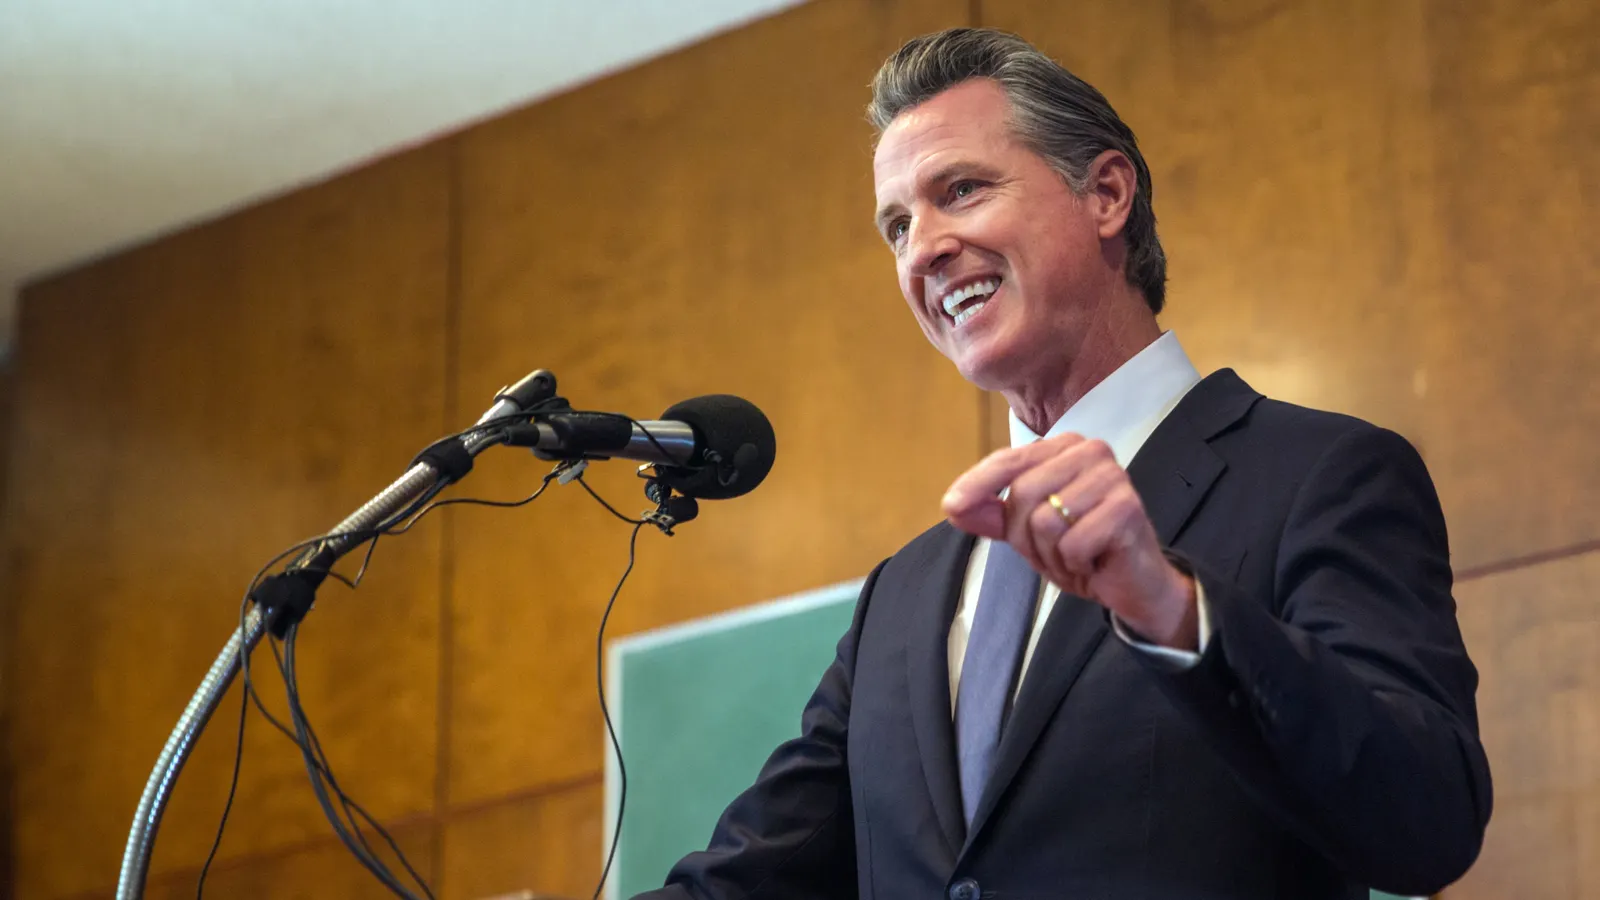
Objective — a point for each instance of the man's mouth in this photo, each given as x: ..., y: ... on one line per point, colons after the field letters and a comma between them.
x: 964, y: 302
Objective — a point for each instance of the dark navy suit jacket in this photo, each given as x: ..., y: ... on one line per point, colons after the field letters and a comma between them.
x: 1326, y: 742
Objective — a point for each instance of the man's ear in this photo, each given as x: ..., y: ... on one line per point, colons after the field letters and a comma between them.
x: 1111, y: 188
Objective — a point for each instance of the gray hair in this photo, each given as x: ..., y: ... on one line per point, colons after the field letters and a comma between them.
x: 1057, y: 114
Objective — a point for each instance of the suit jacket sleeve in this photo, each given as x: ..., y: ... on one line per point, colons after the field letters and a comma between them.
x: 1344, y: 702
x: 792, y: 833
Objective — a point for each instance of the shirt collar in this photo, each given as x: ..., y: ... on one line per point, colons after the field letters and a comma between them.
x: 1129, y: 403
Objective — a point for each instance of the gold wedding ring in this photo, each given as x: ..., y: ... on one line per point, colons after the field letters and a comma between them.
x: 1058, y: 506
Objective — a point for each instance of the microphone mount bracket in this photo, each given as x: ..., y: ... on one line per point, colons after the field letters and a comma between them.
x: 672, y: 508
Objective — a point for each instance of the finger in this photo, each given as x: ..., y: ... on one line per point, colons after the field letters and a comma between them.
x: 973, y: 501
x: 1050, y: 476
x: 1073, y: 585
x: 1048, y: 525
x: 1032, y: 489
x: 996, y: 471
x: 1107, y: 533
x: 1081, y: 549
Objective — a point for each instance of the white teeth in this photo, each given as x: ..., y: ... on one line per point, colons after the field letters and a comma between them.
x: 970, y: 311
x: 953, y: 300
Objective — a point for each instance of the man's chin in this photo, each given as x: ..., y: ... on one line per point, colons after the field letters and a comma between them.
x: 984, y: 371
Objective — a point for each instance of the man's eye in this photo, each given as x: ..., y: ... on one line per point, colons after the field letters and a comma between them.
x: 898, y: 229
x: 963, y: 189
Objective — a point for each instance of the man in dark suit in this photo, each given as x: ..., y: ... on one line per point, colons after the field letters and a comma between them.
x: 1178, y: 641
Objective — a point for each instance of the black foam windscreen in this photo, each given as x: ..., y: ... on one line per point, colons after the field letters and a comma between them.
x: 738, y: 433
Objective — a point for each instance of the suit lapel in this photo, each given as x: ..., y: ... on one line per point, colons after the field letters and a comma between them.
x: 1172, y: 473
x: 1176, y: 466
x: 927, y: 658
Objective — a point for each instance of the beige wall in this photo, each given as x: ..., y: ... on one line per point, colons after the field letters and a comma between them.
x: 1384, y: 208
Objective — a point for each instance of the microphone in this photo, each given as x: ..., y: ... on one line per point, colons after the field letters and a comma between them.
x: 712, y: 447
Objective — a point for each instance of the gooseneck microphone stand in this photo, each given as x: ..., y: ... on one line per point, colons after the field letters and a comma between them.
x: 284, y: 598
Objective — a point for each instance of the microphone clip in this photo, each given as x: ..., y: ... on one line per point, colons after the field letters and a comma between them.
x: 672, y: 508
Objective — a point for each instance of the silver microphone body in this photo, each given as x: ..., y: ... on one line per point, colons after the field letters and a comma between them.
x: 657, y: 441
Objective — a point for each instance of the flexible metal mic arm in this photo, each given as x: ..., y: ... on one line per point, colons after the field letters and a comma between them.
x: 423, y: 476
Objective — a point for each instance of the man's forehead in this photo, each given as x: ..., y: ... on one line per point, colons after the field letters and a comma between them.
x: 928, y: 146
x: 902, y: 174
x: 901, y: 152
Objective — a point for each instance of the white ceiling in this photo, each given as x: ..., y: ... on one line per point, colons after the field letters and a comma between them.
x: 123, y: 119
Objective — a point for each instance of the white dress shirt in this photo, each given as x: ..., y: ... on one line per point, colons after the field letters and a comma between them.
x: 1122, y: 410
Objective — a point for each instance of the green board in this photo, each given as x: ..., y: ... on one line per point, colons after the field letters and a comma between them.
x: 698, y: 707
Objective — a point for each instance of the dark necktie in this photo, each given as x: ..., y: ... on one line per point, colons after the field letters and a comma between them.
x: 1000, y: 629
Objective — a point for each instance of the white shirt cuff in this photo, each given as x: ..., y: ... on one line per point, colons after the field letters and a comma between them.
x: 1182, y: 659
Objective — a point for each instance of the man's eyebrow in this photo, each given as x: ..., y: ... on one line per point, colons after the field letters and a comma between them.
x: 885, y: 215
x: 950, y: 170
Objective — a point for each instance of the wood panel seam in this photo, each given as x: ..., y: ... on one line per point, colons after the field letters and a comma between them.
x: 8, y: 603
x: 446, y: 634
x: 587, y: 779
x: 1512, y: 564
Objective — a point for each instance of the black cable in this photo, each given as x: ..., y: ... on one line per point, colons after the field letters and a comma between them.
x: 398, y: 529
x: 396, y: 524
x: 402, y: 522
x: 250, y: 694
x: 293, y: 738
x: 600, y: 680
x: 305, y: 739
x: 233, y: 788
x: 413, y: 508
x: 319, y: 769
x: 359, y: 850
x: 399, y: 524
x: 652, y: 438
x: 348, y: 582
x: 516, y: 418
x: 609, y: 508
x: 361, y: 573
x: 247, y: 677
x: 319, y: 763
x: 605, y: 710
x: 249, y: 691
x: 316, y: 766
x: 325, y: 768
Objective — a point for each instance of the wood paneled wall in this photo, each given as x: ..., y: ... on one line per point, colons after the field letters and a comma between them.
x: 183, y: 412
x: 1379, y: 207
x: 188, y: 408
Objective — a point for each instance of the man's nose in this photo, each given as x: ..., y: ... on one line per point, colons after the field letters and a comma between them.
x: 931, y: 245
